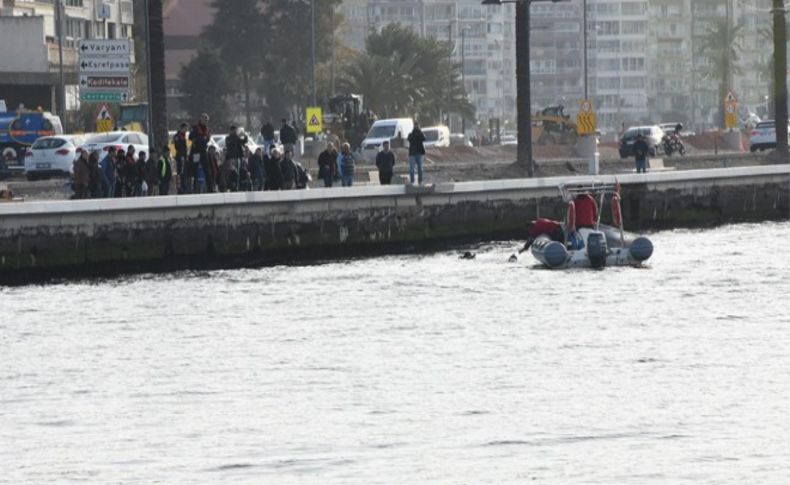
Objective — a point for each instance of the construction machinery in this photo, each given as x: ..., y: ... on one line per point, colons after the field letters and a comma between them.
x: 345, y: 119
x: 551, y: 126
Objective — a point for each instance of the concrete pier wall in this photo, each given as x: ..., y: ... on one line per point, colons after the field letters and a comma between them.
x: 103, y: 237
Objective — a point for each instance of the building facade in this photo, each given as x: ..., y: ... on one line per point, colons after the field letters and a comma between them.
x: 29, y: 47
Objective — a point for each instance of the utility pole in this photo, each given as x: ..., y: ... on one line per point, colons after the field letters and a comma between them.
x: 463, y: 75
x: 312, y: 46
x: 523, y: 94
x: 332, y: 20
x: 62, y: 85
x: 584, y: 26
x: 780, y: 76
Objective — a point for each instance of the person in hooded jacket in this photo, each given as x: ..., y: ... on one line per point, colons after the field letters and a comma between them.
x: 94, y: 176
x: 152, y: 173
x: 108, y: 172
x: 130, y: 172
x: 289, y: 172
x: 256, y: 167
x: 120, y: 164
x: 140, y: 185
x: 274, y: 174
x: 81, y: 176
x: 200, y: 137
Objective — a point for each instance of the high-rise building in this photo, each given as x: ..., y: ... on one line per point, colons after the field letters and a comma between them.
x: 29, y: 51
x: 669, y: 61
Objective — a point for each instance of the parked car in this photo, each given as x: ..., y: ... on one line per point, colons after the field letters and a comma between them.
x: 459, y: 139
x: 395, y: 130
x: 653, y: 135
x: 118, y: 139
x: 509, y: 140
x: 764, y: 136
x: 436, y: 136
x: 52, y: 155
x: 219, y: 142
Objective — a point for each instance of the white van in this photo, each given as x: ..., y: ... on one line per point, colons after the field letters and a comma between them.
x: 395, y: 130
x: 436, y: 136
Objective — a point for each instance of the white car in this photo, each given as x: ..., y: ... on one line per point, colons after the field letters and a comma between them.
x: 101, y: 142
x: 436, y: 136
x: 509, y: 140
x: 219, y: 141
x: 52, y: 155
x: 764, y: 136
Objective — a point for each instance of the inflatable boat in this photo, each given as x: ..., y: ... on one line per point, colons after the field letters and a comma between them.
x: 592, y: 247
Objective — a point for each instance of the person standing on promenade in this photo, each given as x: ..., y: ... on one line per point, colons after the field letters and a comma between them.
x: 289, y: 173
x: 327, y: 164
x: 120, y: 165
x: 164, y: 171
x: 94, y: 176
x: 152, y: 173
x: 234, y: 152
x: 256, y: 167
x: 141, y: 186
x: 416, y: 152
x: 130, y: 172
x: 274, y: 174
x: 200, y: 137
x: 81, y: 176
x: 109, y: 173
x: 641, y: 151
x: 385, y: 161
x: 267, y: 133
x: 287, y: 135
x: 346, y: 165
x: 182, y: 152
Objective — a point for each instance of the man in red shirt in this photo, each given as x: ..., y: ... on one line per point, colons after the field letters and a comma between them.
x: 539, y: 227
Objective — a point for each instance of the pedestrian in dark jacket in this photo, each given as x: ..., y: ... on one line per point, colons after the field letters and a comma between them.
x: 274, y: 174
x: 94, y: 176
x: 256, y: 167
x: 120, y: 165
x: 416, y: 152
x: 141, y: 186
x: 385, y: 161
x: 109, y: 175
x: 641, y: 152
x: 182, y: 153
x: 200, y: 137
x: 212, y: 170
x: 130, y: 172
x: 164, y: 172
x: 287, y: 135
x: 234, y: 150
x: 81, y: 176
x: 327, y: 164
x: 288, y: 168
x: 152, y: 174
x: 267, y: 133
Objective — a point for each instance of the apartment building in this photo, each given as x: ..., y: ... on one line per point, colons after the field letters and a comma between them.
x: 29, y: 52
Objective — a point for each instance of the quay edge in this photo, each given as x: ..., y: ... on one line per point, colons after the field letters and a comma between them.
x: 105, y: 237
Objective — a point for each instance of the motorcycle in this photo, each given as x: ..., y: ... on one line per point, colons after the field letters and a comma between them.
x: 672, y: 143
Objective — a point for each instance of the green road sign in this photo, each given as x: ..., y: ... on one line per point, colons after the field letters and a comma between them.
x: 116, y: 97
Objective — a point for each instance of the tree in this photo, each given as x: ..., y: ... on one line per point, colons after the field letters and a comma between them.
x: 722, y: 45
x: 766, y: 69
x: 780, y: 77
x: 402, y: 74
x: 238, y: 34
x: 288, y: 73
x: 205, y: 85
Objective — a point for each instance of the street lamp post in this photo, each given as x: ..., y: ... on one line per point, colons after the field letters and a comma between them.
x: 463, y: 74
x: 62, y: 83
x: 780, y: 76
x: 523, y: 95
x: 312, y: 47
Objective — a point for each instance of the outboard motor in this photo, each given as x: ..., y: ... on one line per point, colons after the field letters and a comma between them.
x: 597, y: 249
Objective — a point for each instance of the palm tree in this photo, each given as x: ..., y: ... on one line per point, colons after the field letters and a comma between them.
x: 721, y: 44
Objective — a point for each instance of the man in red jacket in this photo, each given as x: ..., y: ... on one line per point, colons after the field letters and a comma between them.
x: 539, y: 227
x: 586, y: 211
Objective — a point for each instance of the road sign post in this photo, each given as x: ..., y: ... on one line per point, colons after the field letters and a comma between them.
x: 315, y: 121
x: 730, y: 111
x: 585, y: 120
x: 104, y: 119
x: 105, y: 70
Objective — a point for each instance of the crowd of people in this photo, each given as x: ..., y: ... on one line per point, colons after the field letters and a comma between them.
x: 198, y: 166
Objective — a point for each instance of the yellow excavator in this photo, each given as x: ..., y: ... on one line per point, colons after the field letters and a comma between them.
x: 551, y: 126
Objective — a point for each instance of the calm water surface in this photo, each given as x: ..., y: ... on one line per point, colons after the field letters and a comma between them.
x: 410, y: 370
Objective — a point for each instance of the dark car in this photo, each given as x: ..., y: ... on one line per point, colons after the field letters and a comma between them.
x: 652, y: 134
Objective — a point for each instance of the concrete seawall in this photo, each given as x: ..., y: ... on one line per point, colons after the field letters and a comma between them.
x: 103, y: 237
